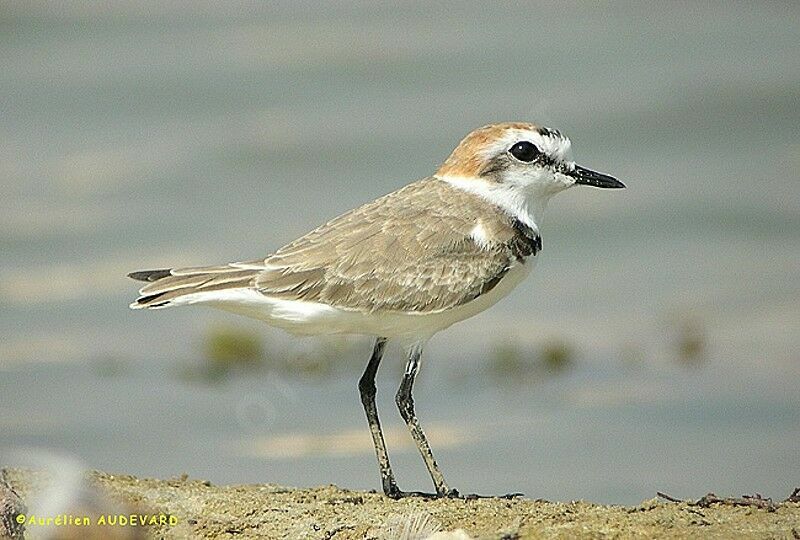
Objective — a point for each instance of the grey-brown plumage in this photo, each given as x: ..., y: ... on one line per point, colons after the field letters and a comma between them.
x: 404, y: 266
x: 413, y: 250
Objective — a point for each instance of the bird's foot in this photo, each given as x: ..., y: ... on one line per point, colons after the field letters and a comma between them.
x: 396, y: 493
x: 475, y: 496
x: 400, y: 494
x: 393, y: 492
x: 454, y: 494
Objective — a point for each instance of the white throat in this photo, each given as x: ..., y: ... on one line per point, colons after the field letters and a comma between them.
x: 520, y: 203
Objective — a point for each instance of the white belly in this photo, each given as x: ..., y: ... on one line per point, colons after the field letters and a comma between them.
x: 310, y: 318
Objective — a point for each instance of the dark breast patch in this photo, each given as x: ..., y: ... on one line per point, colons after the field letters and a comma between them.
x: 526, y: 242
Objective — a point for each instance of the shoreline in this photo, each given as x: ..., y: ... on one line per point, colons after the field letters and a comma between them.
x: 183, y: 507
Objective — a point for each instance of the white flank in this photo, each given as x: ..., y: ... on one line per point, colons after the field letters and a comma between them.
x: 311, y: 318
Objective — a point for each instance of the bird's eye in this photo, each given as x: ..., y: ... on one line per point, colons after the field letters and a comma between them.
x: 524, y: 151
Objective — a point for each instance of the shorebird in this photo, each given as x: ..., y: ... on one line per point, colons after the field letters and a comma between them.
x: 404, y: 266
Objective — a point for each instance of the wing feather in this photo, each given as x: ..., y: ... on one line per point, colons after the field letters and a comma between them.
x: 409, y: 251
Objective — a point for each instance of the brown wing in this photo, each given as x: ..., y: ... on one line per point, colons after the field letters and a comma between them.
x: 409, y: 251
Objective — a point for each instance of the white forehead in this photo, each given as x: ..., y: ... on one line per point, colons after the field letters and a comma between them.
x: 548, y: 141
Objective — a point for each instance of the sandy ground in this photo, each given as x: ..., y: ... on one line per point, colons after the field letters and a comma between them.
x: 198, y: 509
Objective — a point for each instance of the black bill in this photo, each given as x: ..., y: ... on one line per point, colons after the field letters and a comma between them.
x: 589, y: 177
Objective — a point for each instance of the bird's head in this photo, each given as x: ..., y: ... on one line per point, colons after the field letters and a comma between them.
x: 519, y: 158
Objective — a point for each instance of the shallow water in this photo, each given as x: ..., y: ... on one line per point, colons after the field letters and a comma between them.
x: 138, y: 137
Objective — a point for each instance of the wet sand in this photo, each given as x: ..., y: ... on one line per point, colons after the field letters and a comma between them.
x: 202, y: 510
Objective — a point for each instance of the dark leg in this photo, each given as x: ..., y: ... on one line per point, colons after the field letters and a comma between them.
x: 405, y: 402
x: 366, y: 386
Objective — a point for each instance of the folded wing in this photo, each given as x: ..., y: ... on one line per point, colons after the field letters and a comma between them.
x: 410, y: 251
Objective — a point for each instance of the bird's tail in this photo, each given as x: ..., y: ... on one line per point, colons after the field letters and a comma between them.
x: 168, y: 286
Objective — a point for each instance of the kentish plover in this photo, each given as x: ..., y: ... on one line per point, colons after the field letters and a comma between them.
x: 404, y: 266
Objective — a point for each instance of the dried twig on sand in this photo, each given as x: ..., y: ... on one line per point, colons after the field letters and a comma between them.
x: 757, y: 500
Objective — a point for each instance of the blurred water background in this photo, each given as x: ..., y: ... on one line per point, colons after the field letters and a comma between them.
x: 657, y: 346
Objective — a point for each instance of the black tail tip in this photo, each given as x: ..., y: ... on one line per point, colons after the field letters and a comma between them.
x: 149, y: 275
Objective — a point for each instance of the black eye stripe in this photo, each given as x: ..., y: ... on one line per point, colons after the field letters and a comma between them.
x: 524, y: 151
